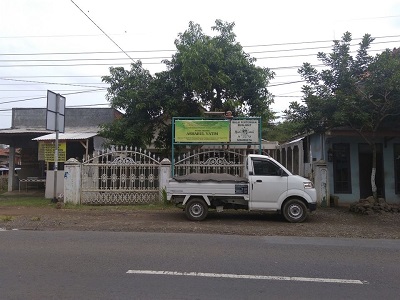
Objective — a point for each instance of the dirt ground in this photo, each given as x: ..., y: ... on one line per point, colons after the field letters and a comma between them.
x: 325, y: 222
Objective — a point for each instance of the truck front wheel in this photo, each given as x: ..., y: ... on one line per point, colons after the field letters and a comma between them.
x: 196, y: 209
x: 295, y: 211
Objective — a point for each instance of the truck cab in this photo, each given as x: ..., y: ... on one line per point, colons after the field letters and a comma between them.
x: 271, y: 184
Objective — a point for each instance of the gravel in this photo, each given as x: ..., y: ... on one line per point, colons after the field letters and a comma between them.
x: 336, y: 222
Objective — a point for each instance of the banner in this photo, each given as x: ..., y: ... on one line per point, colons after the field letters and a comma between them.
x: 203, y: 131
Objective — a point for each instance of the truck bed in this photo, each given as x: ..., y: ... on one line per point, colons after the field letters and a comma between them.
x: 218, y: 177
x: 210, y: 184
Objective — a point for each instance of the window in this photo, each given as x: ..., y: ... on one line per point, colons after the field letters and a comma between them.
x: 265, y: 168
x: 397, y: 168
x: 341, y: 168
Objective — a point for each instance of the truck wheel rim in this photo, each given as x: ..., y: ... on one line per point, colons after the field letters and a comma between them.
x: 295, y: 211
x: 196, y: 210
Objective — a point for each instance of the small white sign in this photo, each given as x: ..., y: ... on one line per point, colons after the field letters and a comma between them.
x: 55, y: 117
x: 245, y: 131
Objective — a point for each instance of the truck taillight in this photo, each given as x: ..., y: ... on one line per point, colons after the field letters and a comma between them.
x: 308, y: 185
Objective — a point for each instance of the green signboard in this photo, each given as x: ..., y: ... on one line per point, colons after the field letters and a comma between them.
x: 202, y: 131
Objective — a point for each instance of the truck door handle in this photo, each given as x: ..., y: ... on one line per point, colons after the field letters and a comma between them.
x: 259, y: 180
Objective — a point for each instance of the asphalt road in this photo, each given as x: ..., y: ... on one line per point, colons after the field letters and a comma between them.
x: 128, y: 265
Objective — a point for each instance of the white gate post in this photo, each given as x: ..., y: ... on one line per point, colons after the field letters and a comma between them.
x: 321, y: 183
x: 72, y: 181
x: 165, y: 174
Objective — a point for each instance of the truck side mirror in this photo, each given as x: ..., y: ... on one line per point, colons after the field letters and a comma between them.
x: 250, y: 172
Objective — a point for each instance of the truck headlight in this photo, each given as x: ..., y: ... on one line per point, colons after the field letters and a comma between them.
x: 308, y: 185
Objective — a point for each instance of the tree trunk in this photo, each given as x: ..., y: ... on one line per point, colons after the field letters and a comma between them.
x: 373, y: 174
x: 216, y: 103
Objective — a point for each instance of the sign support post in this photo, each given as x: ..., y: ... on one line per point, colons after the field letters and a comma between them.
x: 55, y: 120
x: 56, y: 151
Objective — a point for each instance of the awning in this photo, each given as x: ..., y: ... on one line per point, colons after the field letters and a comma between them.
x: 82, y: 137
x: 66, y: 136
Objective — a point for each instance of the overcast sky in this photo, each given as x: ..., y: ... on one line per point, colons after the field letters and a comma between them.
x: 52, y: 45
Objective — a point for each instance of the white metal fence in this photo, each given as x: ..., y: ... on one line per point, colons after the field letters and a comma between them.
x: 120, y: 175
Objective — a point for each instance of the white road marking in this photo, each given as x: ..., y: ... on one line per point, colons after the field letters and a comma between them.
x: 238, y: 276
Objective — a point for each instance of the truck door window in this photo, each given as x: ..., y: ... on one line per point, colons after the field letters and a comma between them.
x: 265, y: 168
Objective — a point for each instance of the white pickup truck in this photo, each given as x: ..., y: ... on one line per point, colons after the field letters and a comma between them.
x: 268, y: 186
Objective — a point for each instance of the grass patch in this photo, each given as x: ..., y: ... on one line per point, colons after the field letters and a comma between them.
x: 6, y: 218
x: 24, y: 201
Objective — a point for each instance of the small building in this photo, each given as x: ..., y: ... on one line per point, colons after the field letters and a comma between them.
x: 28, y: 133
x: 348, y: 159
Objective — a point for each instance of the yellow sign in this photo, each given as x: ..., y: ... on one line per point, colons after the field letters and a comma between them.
x: 203, y: 131
x: 46, y: 151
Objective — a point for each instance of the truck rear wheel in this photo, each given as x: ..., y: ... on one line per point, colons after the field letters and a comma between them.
x: 295, y: 211
x: 196, y: 209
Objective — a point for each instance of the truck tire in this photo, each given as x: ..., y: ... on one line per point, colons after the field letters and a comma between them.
x: 196, y: 209
x: 295, y: 211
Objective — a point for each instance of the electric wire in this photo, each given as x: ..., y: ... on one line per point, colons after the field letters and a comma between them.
x: 44, y: 97
x: 12, y: 78
x: 101, y: 30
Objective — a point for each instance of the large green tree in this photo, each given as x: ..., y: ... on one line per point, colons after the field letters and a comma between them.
x: 359, y: 92
x: 148, y: 103
x: 205, y: 73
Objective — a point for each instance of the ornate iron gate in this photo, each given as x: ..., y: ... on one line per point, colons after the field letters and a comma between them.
x: 120, y: 175
x: 211, y: 160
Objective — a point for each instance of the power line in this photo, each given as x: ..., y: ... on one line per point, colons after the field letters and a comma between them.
x: 314, y: 42
x: 68, y: 106
x: 150, y: 63
x: 285, y: 83
x: 54, y: 76
x: 101, y: 30
x: 165, y: 57
x: 244, y: 46
x: 83, y: 84
x: 152, y: 51
x: 73, y: 65
x: 277, y: 96
x: 86, y: 52
x: 81, y: 59
x: 44, y: 97
x: 102, y: 64
x: 44, y: 82
x: 39, y: 90
x: 174, y: 50
x: 52, y: 36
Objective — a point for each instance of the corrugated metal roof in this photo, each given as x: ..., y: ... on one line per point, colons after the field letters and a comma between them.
x: 20, y: 130
x: 66, y: 136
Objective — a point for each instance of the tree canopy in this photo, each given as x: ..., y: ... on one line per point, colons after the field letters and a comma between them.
x: 328, y: 92
x: 205, y: 74
x: 361, y: 93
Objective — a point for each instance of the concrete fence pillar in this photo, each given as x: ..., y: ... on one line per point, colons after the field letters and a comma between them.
x: 321, y: 183
x: 72, y: 181
x: 165, y: 174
